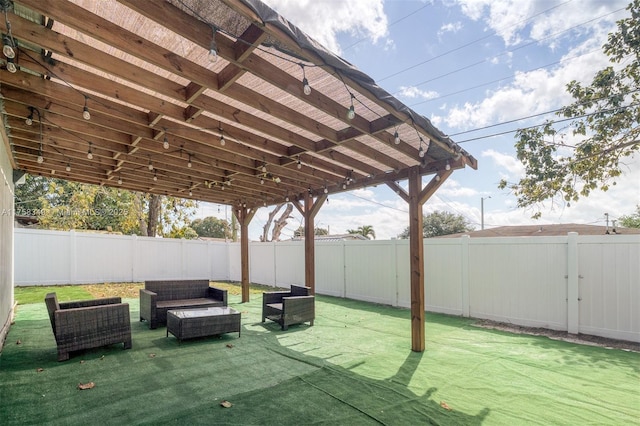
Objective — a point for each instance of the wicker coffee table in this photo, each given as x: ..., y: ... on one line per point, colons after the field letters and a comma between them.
x: 191, y: 323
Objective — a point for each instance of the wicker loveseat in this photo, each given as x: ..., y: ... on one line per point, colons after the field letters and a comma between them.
x: 289, y: 307
x: 157, y: 297
x: 88, y: 324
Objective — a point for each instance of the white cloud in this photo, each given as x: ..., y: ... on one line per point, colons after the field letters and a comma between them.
x: 325, y: 19
x: 413, y: 93
x: 451, y: 27
x: 506, y: 162
x: 515, y: 21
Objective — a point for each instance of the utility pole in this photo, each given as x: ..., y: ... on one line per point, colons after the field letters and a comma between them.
x: 482, y: 211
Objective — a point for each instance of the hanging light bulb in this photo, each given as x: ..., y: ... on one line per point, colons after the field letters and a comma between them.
x: 264, y: 168
x: 306, y: 88
x: 351, y: 114
x: 396, y: 138
x: 165, y: 142
x: 326, y: 190
x: 448, y: 166
x: 190, y: 193
x: 286, y: 198
x: 150, y: 165
x: 40, y: 159
x: 11, y: 66
x: 421, y: 150
x: 189, y: 164
x: 261, y: 181
x: 89, y: 153
x: 85, y: 110
x: 155, y: 176
x: 213, y: 47
x: 344, y: 185
x: 68, y: 168
x: 119, y: 181
x: 299, y: 164
x: 7, y: 48
x: 29, y: 120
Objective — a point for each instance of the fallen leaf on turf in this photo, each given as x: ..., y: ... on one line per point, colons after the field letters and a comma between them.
x: 19, y: 342
x: 229, y: 345
x: 84, y: 386
x: 102, y: 357
x: 445, y: 406
x: 226, y: 404
x: 39, y: 370
x: 152, y: 355
x: 82, y: 361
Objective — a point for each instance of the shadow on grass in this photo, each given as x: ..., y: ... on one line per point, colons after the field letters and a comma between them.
x: 161, y: 380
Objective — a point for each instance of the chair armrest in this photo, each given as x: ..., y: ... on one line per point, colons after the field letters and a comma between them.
x: 89, y: 303
x: 274, y: 296
x: 218, y: 294
x: 147, y: 297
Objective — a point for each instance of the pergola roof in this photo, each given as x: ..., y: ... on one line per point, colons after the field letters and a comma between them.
x: 142, y: 70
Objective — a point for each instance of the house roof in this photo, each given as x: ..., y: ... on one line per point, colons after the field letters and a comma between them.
x: 163, y: 119
x: 544, y: 230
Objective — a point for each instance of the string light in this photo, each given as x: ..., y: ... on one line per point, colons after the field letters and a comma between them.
x: 29, y: 120
x: 85, y: 110
x: 222, y: 140
x: 421, y: 150
x: 213, y: 47
x: 437, y: 178
x: 89, y: 153
x: 396, y: 137
x: 11, y: 66
x: 189, y: 164
x: 165, y: 142
x: 351, y: 114
x: 150, y: 165
x: 119, y: 181
x: 264, y: 168
x: 306, y: 88
x: 155, y: 176
x: 299, y: 163
x: 68, y: 168
x: 448, y: 166
x: 40, y: 159
x: 7, y: 48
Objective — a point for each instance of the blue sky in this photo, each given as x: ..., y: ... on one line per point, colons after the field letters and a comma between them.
x: 468, y: 66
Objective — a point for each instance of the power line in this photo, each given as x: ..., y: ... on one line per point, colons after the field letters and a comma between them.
x: 500, y: 79
x: 470, y: 43
x: 457, y: 70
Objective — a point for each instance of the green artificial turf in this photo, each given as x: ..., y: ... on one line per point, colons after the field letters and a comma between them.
x: 353, y: 367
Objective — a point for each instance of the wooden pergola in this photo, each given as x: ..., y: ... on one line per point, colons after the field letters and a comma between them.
x: 216, y: 100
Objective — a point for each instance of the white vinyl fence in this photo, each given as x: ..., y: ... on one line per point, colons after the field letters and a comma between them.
x: 581, y: 284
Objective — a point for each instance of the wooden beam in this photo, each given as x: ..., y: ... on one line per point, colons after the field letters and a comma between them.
x: 244, y: 216
x: 416, y: 255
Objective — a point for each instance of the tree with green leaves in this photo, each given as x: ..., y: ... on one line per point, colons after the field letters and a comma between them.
x: 604, y: 118
x: 298, y: 233
x: 631, y: 220
x: 366, y: 231
x: 65, y: 205
x: 441, y: 223
x: 211, y: 227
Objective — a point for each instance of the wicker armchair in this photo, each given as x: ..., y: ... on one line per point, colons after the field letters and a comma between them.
x: 289, y: 307
x: 88, y: 323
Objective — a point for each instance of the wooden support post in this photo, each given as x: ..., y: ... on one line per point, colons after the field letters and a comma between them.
x: 309, y: 210
x: 416, y: 254
x: 416, y: 197
x: 244, y: 216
